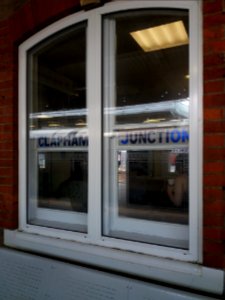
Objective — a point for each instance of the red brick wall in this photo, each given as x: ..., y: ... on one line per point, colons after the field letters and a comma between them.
x: 8, y: 130
x: 214, y: 130
x: 30, y: 18
x: 36, y: 14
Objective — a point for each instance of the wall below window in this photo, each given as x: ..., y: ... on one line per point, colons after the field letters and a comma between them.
x: 41, y: 278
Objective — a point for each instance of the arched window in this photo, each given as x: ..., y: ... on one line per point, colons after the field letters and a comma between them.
x: 110, y: 133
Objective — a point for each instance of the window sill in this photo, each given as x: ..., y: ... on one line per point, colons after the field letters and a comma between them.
x: 184, y: 274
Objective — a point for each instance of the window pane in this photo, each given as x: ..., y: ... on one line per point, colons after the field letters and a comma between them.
x: 145, y: 179
x: 146, y: 118
x: 63, y: 180
x: 57, y: 139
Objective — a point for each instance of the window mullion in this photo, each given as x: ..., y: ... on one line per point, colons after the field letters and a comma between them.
x: 94, y: 124
x: 196, y: 139
x: 110, y: 186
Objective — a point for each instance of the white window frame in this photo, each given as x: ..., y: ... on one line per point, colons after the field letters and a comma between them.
x: 160, y: 233
x: 76, y: 221
x: 93, y: 248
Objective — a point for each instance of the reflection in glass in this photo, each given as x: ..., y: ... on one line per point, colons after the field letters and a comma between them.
x: 57, y: 131
x: 146, y: 125
x: 62, y: 180
x: 153, y: 185
x: 144, y: 77
x: 58, y: 83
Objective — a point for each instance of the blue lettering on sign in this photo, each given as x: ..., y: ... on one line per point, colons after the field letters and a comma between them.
x: 185, y: 136
x: 154, y: 137
x: 144, y: 137
x: 175, y: 136
x: 69, y: 141
x: 124, y: 141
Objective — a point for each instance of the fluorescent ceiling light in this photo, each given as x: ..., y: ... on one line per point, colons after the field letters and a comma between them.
x: 154, y: 120
x: 43, y: 116
x: 54, y: 125
x: 81, y: 123
x: 161, y: 37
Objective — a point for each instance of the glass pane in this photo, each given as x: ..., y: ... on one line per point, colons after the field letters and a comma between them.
x: 153, y: 185
x: 146, y: 118
x: 63, y: 180
x: 57, y: 120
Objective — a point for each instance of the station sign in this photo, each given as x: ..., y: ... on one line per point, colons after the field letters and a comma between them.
x: 154, y: 137
x: 71, y: 140
x: 144, y: 137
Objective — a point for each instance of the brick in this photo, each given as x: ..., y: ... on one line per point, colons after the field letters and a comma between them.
x: 7, y: 93
x: 5, y: 180
x: 214, y: 154
x: 6, y: 189
x: 6, y: 49
x: 4, y: 28
x: 213, y: 33
x: 6, y: 172
x: 6, y: 145
x: 214, y: 46
x: 214, y: 180
x: 6, y: 128
x: 213, y: 59
x: 213, y: 260
x: 215, y: 86
x: 210, y: 194
x: 7, y: 162
x: 214, y: 100
x: 213, y: 219
x: 7, y: 101
x: 53, y: 10
x: 215, y: 206
x: 214, y: 167
x: 214, y: 72
x: 6, y: 136
x: 34, y: 15
x: 214, y: 140
x: 27, y: 16
x: 22, y: 22
x: 210, y: 7
x: 11, y: 199
x: 214, y: 233
x: 214, y: 126
x: 12, y: 223
x: 6, y: 76
x: 6, y: 207
x: 9, y: 209
x: 9, y: 154
x: 214, y: 114
x: 6, y: 85
x: 6, y: 109
x: 211, y: 19
x: 7, y: 119
x: 214, y: 247
x: 7, y: 57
